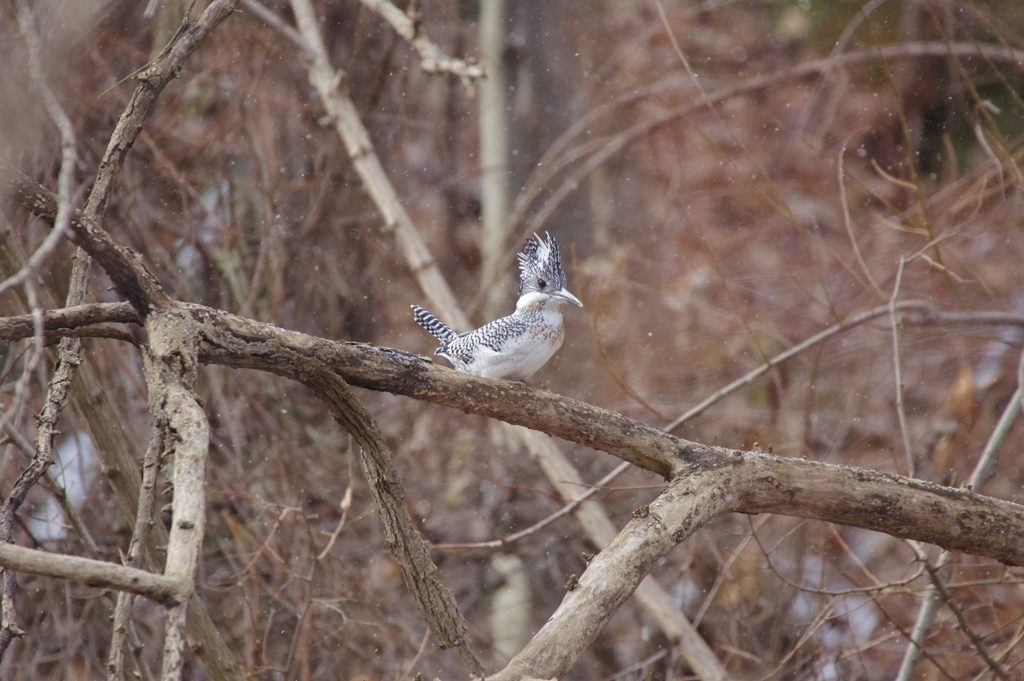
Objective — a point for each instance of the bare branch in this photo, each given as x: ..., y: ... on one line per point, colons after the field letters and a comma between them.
x: 902, y: 507
x: 96, y: 573
x: 67, y: 321
x: 433, y: 60
x: 901, y: 411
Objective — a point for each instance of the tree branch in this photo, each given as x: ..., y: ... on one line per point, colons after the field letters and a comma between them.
x: 97, y: 573
x: 903, y: 507
x: 170, y: 368
x: 77, y: 321
x: 432, y: 59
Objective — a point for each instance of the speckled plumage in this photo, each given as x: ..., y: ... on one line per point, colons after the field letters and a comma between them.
x: 513, y: 347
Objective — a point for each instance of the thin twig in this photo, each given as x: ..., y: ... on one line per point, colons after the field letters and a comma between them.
x: 848, y: 221
x: 797, y: 349
x: 901, y: 412
x: 564, y: 511
x: 979, y: 645
x: 346, y: 504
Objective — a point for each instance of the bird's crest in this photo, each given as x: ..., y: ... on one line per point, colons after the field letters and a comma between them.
x: 540, y: 266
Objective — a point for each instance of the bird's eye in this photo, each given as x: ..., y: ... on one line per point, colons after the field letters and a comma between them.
x: 541, y: 283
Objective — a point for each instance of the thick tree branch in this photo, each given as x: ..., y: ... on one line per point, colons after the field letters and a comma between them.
x: 952, y: 518
x: 903, y: 507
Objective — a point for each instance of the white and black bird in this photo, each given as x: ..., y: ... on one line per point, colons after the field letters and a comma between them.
x: 513, y: 347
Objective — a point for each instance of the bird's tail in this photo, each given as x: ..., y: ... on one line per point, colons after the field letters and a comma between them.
x: 435, y: 326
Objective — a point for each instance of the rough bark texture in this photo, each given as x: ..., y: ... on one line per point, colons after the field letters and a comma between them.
x: 15, y: 328
x: 170, y: 362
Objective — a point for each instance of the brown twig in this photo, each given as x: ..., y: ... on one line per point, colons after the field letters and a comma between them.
x: 928, y: 316
x: 562, y: 512
x: 979, y: 646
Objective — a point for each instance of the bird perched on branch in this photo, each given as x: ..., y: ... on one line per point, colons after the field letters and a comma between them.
x: 513, y: 347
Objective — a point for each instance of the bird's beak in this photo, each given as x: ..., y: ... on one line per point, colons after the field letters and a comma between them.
x: 565, y: 295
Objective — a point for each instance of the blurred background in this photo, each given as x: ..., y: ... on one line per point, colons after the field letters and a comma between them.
x: 725, y: 179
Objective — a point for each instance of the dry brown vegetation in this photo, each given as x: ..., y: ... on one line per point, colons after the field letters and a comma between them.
x: 725, y: 182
